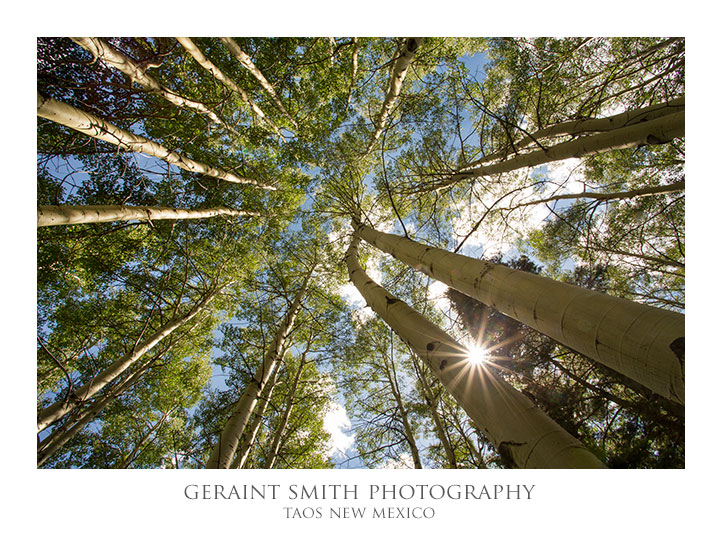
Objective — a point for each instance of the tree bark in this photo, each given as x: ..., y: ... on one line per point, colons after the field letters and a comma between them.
x: 275, y: 445
x: 661, y: 130
x: 127, y: 460
x: 396, y: 79
x: 77, y: 215
x: 586, y: 126
x: 90, y: 125
x: 354, y: 69
x: 638, y: 341
x: 222, y: 454
x: 438, y: 425
x: 408, y: 431
x: 245, y: 60
x: 60, y: 437
x: 612, y: 196
x: 251, y: 430
x: 522, y: 433
x: 204, y: 62
x: 60, y: 408
x: 102, y: 50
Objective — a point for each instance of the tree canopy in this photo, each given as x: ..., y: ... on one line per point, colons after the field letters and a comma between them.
x: 206, y: 208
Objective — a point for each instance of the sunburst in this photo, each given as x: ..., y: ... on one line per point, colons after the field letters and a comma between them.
x: 477, y: 355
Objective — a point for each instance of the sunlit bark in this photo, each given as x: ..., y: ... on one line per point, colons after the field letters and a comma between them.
x: 396, y: 80
x: 249, y: 433
x: 523, y: 435
x: 76, y: 215
x: 60, y: 408
x: 223, y: 451
x: 90, y: 125
x: 283, y: 422
x: 204, y: 62
x: 580, y: 127
x: 612, y: 196
x: 245, y: 60
x: 102, y: 50
x: 661, y: 130
x: 638, y: 341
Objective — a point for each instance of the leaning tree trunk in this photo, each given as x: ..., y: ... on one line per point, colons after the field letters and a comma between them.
x: 431, y: 403
x: 581, y: 127
x: 661, y: 130
x: 390, y: 372
x: 245, y: 60
x: 102, y: 50
x: 60, y: 437
x: 77, y: 215
x: 222, y: 455
x: 204, y: 62
x: 396, y: 79
x: 90, y: 125
x: 126, y: 461
x: 641, y: 342
x: 522, y: 434
x: 283, y: 422
x: 251, y: 430
x: 611, y: 196
x: 60, y: 408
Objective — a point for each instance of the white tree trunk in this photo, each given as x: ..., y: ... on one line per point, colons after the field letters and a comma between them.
x: 251, y: 430
x: 126, y: 461
x: 276, y: 444
x: 103, y: 51
x: 60, y: 408
x: 245, y: 60
x: 223, y: 451
x: 641, y: 342
x: 612, y: 196
x: 660, y: 130
x: 521, y: 432
x: 586, y: 126
x: 60, y: 437
x: 432, y: 403
x: 396, y: 80
x: 76, y: 215
x: 90, y: 125
x: 204, y: 62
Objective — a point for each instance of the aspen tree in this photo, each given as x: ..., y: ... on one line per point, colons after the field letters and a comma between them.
x: 57, y: 410
x: 396, y: 79
x: 611, y: 196
x: 102, y: 50
x: 641, y: 342
x: 521, y: 432
x: 222, y: 455
x: 245, y: 60
x: 581, y: 127
x: 59, y: 437
x: 432, y: 404
x: 77, y: 215
x: 204, y: 62
x: 251, y: 430
x: 128, y: 459
x: 283, y: 422
x: 389, y: 370
x: 90, y: 125
x: 661, y: 130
